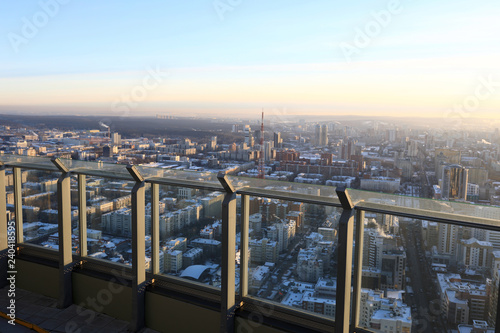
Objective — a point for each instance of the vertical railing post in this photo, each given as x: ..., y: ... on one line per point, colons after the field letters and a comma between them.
x: 358, y: 268
x: 18, y: 204
x: 138, y: 250
x: 228, y: 256
x: 64, y: 229
x: 245, y: 213
x: 82, y: 214
x: 3, y: 229
x: 344, y: 262
x: 155, y: 228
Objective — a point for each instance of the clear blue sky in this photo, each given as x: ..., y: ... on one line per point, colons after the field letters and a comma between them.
x: 280, y: 53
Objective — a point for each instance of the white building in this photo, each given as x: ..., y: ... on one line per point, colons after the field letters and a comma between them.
x: 263, y: 250
x: 282, y: 233
x: 462, y: 301
x: 191, y: 257
x: 384, y: 314
x: 119, y: 222
x: 255, y: 222
x: 257, y: 276
x: 475, y: 253
x: 173, y: 261
x: 310, y: 266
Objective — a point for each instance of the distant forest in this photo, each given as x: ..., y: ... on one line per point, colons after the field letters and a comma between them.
x: 128, y: 127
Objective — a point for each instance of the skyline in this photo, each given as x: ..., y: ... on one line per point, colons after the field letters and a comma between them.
x: 425, y: 59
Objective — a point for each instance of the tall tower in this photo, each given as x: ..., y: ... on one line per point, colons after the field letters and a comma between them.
x: 248, y: 136
x: 317, y: 134
x: 261, y: 174
x: 277, y: 140
x: 324, y: 135
x: 213, y: 143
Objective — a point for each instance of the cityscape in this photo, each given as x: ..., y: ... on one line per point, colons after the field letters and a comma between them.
x: 253, y: 166
x: 417, y: 276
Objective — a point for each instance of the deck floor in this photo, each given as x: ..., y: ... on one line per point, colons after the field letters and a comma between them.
x: 42, y: 311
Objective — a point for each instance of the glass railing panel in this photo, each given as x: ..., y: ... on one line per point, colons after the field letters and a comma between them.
x: 439, y: 209
x: 28, y: 161
x: 190, y: 234
x: 166, y: 172
x: 39, y: 201
x: 109, y: 219
x: 301, y: 191
x: 99, y: 169
x: 424, y: 276
x: 75, y: 219
x: 292, y: 254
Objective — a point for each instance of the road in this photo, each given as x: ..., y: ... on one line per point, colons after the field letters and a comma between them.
x: 425, y: 299
x: 283, y: 266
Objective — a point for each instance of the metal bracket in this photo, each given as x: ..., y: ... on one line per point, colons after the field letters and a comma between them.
x: 345, y: 199
x: 222, y: 177
x: 135, y: 173
x: 60, y: 165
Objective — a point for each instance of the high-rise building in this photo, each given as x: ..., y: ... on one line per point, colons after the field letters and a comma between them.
x: 268, y: 151
x: 310, y: 265
x: 472, y: 192
x: 173, y: 261
x: 249, y: 140
x: 455, y: 179
x: 321, y: 135
x: 317, y: 134
x: 475, y: 253
x: 324, y: 135
x: 347, y: 150
x: 116, y: 139
x: 119, y: 222
x: 263, y: 250
x: 282, y: 233
x: 448, y: 238
x: 213, y: 143
x: 393, y: 270
x: 278, y: 141
x: 373, y: 244
x: 255, y: 221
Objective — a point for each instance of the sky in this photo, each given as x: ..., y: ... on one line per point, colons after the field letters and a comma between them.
x: 404, y: 58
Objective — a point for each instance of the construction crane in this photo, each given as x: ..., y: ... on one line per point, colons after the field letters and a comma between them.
x: 261, y: 173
